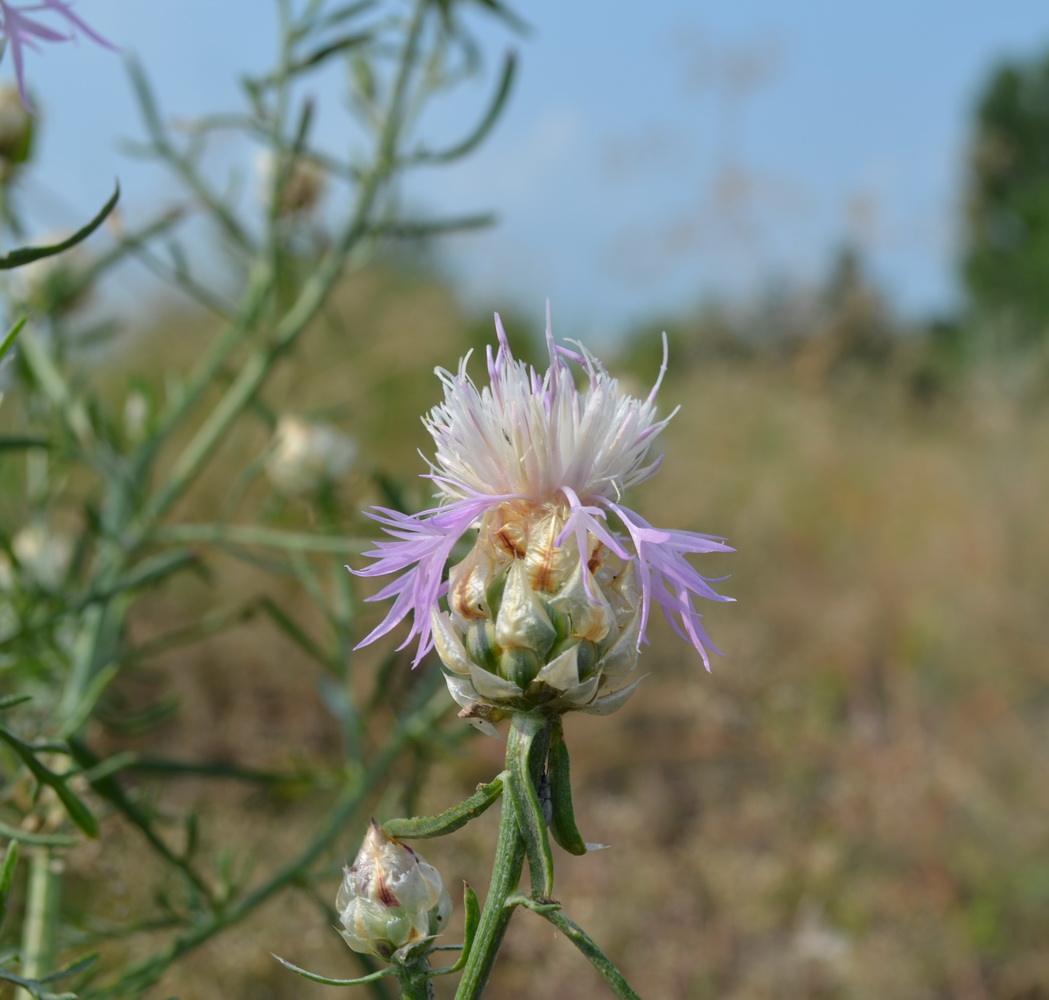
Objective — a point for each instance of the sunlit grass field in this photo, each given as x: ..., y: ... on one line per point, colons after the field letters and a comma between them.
x: 852, y: 804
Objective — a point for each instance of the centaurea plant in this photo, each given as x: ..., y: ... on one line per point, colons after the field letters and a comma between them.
x: 113, y: 473
x: 546, y: 613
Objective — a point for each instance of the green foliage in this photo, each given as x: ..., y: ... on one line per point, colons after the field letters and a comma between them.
x: 107, y: 502
x: 1007, y: 207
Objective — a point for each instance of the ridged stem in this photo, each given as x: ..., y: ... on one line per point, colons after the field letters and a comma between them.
x: 43, y: 899
x: 509, y: 860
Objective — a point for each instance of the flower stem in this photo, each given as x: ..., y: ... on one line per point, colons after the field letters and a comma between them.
x: 414, y: 980
x: 509, y: 860
x: 43, y: 900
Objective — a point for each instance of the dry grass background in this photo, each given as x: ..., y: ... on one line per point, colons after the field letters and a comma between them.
x: 852, y: 805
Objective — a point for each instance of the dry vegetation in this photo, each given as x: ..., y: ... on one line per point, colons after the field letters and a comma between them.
x: 853, y: 805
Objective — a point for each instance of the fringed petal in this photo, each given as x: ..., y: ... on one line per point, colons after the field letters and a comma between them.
x: 669, y: 579
x: 425, y: 543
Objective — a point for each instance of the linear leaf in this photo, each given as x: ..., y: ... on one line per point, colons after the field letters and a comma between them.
x: 420, y: 827
x: 525, y: 802
x: 562, y: 814
x: 26, y: 255
x: 334, y: 982
x: 7, y: 874
x: 78, y: 812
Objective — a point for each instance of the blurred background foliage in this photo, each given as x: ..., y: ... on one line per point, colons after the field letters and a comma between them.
x: 852, y: 805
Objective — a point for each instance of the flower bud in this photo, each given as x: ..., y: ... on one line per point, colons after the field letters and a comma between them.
x: 532, y: 624
x: 305, y: 456
x: 302, y: 190
x: 44, y: 555
x: 16, y: 132
x: 55, y: 285
x: 390, y: 899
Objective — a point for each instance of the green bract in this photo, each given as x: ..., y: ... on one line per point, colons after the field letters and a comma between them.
x: 535, y: 625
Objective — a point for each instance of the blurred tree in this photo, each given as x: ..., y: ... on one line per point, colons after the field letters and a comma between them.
x: 1006, y: 255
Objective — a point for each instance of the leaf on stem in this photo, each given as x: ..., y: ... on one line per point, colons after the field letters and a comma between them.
x: 562, y: 815
x: 9, y: 338
x: 388, y: 971
x: 472, y: 907
x: 26, y: 255
x: 485, y: 125
x: 421, y: 827
x: 527, y: 810
x: 38, y: 987
x: 597, y: 958
x: 10, y: 700
x: 77, y: 810
x: 7, y: 874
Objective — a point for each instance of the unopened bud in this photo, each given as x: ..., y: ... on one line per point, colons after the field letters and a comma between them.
x: 534, y: 623
x: 302, y: 189
x: 390, y: 899
x: 307, y: 456
x: 44, y: 555
x: 55, y: 284
x: 16, y: 132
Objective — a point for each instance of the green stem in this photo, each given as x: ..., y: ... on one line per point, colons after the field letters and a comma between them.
x: 414, y: 980
x: 43, y: 901
x: 509, y: 860
x: 313, y: 296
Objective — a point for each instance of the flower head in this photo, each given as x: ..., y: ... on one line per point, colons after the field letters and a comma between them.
x: 16, y: 132
x: 561, y: 569
x: 390, y: 899
x: 306, y: 456
x: 18, y: 30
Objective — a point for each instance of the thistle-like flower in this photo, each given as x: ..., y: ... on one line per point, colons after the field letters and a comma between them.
x: 18, y: 31
x: 390, y: 899
x: 551, y: 605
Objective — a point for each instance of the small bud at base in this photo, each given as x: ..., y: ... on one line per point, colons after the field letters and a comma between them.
x: 390, y: 899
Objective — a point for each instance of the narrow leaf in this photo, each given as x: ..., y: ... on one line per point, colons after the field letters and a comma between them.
x: 389, y: 970
x: 78, y: 812
x: 10, y: 700
x: 597, y: 958
x: 34, y: 987
x: 9, y: 338
x: 13, y: 833
x: 488, y: 120
x: 421, y: 827
x: 7, y: 874
x: 23, y: 441
x: 26, y: 255
x: 562, y: 815
x: 525, y: 802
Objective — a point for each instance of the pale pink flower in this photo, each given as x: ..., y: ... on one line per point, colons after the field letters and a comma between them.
x: 539, y: 439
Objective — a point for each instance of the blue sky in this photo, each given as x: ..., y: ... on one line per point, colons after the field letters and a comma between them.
x: 650, y: 158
